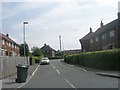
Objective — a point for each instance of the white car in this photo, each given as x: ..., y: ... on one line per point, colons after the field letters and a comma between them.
x: 45, y: 60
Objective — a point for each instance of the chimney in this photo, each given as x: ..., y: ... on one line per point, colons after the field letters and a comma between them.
x: 45, y: 44
x: 90, y: 30
x: 7, y: 35
x: 101, y: 24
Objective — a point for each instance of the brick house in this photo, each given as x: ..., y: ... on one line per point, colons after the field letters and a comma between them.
x: 48, y: 51
x: 105, y: 37
x: 8, y: 47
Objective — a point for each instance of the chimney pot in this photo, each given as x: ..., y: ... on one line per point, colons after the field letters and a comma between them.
x: 101, y: 24
x: 90, y: 29
x: 45, y: 44
x: 7, y: 35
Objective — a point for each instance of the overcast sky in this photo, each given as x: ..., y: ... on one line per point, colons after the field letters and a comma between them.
x: 47, y: 19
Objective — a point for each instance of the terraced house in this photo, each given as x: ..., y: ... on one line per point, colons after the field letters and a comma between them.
x: 105, y: 37
x: 8, y: 46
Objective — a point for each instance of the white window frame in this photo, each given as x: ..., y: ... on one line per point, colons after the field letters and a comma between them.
x: 91, y: 41
x: 104, y: 36
x: 9, y: 44
x: 12, y: 45
x: 112, y: 33
x: 15, y: 46
x: 96, y: 39
x: 3, y: 42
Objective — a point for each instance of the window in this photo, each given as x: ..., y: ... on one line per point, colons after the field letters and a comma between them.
x: 112, y: 46
x: 91, y: 41
x: 96, y: 39
x: 12, y: 45
x: 9, y: 44
x: 112, y: 33
x: 15, y: 46
x: 3, y: 42
x: 104, y: 36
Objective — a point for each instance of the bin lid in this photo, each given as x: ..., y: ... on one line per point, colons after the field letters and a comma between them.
x: 22, y: 66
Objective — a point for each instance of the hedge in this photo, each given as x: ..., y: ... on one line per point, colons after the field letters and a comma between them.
x: 107, y: 59
x: 34, y: 58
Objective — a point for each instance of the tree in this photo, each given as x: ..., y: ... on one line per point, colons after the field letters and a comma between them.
x: 36, y: 51
x: 22, y: 50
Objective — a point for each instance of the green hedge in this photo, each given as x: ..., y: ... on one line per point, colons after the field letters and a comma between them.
x: 108, y: 59
x: 34, y: 58
x: 58, y: 57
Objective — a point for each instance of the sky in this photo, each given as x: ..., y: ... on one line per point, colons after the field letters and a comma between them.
x: 47, y: 19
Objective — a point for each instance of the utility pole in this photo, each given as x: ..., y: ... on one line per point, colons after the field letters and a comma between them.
x: 60, y: 48
x: 60, y: 42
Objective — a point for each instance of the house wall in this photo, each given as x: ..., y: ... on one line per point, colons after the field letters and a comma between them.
x: 48, y: 53
x: 102, y: 44
x: 84, y: 45
x: 9, y: 48
x: 118, y: 29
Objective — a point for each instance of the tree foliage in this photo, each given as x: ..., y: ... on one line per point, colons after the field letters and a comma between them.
x: 22, y: 50
x: 36, y: 51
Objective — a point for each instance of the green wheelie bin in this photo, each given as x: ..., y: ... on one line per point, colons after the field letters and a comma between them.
x: 22, y: 72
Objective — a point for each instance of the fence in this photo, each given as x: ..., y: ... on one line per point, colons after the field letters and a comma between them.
x: 8, y: 65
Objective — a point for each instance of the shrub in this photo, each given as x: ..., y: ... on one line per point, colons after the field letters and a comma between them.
x: 107, y: 59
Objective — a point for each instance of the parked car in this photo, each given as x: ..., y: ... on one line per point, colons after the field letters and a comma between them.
x: 45, y: 60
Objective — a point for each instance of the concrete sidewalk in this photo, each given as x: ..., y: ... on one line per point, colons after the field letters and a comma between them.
x: 108, y: 73
x: 10, y: 81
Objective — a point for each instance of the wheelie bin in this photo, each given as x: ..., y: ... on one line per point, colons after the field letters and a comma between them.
x: 22, y: 72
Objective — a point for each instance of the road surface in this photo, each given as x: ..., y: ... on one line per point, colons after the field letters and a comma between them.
x: 61, y: 75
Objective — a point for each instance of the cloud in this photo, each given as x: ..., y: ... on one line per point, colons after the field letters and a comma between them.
x: 18, y: 8
x: 36, y: 1
x: 70, y: 19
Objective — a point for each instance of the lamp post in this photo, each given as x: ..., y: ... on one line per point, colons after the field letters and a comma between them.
x: 24, y: 37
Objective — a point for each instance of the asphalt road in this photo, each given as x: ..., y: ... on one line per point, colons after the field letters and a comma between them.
x: 62, y: 75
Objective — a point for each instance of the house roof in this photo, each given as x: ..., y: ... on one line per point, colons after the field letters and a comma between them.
x: 106, y: 27
x: 90, y: 34
x: 6, y: 37
x: 102, y: 29
x: 47, y: 47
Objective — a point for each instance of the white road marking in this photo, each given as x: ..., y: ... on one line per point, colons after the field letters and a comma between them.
x: 29, y: 78
x: 58, y: 72
x: 53, y: 67
x: 82, y: 69
x: 69, y: 83
x: 35, y: 70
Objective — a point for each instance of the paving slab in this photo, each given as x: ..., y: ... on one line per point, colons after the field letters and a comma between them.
x: 10, y: 81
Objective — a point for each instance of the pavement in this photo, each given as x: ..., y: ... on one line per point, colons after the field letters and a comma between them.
x: 10, y: 81
x: 108, y: 73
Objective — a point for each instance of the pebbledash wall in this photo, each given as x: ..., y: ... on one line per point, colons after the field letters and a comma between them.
x: 8, y: 65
